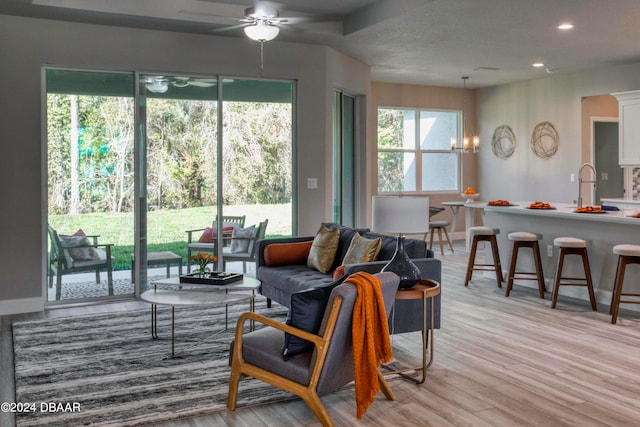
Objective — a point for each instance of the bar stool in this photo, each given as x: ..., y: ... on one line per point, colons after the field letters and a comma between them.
x: 572, y: 246
x: 484, y: 234
x: 523, y: 239
x: 627, y: 254
x: 440, y: 226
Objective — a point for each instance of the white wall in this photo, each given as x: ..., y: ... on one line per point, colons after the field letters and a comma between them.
x: 556, y: 99
x: 28, y: 44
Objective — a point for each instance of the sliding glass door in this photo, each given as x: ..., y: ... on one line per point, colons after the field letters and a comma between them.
x: 344, y: 161
x: 90, y: 145
x: 150, y: 193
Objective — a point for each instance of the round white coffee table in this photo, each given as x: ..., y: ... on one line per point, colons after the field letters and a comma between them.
x: 188, y: 297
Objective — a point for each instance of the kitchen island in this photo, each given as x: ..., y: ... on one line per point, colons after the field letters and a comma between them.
x: 622, y: 203
x: 602, y: 231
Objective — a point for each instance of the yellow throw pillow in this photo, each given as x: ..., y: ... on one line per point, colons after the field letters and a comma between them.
x: 323, y: 250
x: 362, y: 250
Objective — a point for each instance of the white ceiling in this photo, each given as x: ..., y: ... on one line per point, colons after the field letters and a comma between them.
x: 432, y: 42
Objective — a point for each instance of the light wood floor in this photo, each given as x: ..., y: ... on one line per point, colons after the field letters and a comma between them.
x: 499, y: 362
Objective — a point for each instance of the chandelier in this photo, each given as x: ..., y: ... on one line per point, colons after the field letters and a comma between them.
x: 468, y: 143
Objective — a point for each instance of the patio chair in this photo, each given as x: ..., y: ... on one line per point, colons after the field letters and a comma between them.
x: 78, y: 255
x: 248, y: 255
x: 323, y: 370
x: 193, y: 245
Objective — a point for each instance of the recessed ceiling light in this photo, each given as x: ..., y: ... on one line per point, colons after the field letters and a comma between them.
x: 565, y: 26
x: 538, y: 64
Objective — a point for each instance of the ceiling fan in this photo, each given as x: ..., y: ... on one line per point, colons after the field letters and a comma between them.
x: 160, y: 84
x: 262, y: 21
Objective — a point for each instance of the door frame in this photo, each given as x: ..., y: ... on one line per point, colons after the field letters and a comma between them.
x: 627, y: 172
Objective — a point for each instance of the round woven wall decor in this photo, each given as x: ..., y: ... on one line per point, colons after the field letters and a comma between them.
x: 503, y: 143
x: 545, y: 140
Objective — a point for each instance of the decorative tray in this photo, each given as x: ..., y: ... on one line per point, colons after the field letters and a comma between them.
x: 500, y: 203
x: 213, y: 278
x: 540, y: 205
x: 591, y: 212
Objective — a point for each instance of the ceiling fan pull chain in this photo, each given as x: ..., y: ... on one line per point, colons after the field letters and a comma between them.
x: 261, y: 58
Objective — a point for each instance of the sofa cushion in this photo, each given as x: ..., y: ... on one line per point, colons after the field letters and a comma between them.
x: 346, y: 235
x: 362, y: 250
x: 415, y: 248
x: 323, y: 250
x: 287, y: 253
x: 292, y: 278
x: 339, y: 272
x: 306, y: 311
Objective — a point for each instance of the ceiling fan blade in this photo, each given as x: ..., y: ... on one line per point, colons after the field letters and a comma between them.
x: 307, y: 19
x: 230, y: 28
x: 200, y: 83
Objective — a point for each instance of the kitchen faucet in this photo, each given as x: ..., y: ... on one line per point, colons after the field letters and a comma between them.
x: 580, y: 181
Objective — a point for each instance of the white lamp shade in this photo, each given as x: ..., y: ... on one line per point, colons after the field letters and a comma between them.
x: 400, y: 214
x: 261, y: 32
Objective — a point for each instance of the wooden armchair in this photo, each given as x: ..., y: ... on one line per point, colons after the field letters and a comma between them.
x: 248, y: 255
x: 192, y: 236
x: 310, y: 375
x: 62, y: 261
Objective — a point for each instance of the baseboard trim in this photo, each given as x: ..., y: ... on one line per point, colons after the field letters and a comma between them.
x: 603, y: 297
x: 21, y: 305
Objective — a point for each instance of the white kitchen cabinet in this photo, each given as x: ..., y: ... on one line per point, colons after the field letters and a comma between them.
x: 629, y: 127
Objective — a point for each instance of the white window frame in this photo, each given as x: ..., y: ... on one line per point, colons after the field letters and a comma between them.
x: 417, y: 151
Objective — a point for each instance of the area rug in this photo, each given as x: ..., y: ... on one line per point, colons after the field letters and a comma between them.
x: 79, y: 290
x: 106, y: 370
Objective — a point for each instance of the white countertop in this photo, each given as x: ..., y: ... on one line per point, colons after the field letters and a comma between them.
x: 564, y: 211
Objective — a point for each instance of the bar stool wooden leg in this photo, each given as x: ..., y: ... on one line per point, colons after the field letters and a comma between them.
x: 483, y: 234
x: 539, y: 275
x: 556, y: 282
x: 472, y: 260
x: 512, y: 266
x: 538, y: 261
x: 587, y: 272
x: 622, y: 265
x: 616, y: 281
x: 496, y: 260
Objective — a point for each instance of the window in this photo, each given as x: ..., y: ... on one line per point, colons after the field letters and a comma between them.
x: 140, y: 178
x: 414, y: 150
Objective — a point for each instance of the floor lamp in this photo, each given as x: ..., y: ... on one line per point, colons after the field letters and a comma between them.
x: 401, y: 215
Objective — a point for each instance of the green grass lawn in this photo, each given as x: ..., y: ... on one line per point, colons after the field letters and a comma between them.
x: 166, y: 229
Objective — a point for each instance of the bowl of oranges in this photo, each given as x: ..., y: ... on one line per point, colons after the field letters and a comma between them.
x: 470, y: 194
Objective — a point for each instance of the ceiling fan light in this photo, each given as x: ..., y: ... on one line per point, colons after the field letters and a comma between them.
x: 261, y: 32
x: 157, y: 86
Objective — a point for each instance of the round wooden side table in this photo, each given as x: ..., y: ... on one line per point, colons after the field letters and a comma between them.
x: 424, y: 289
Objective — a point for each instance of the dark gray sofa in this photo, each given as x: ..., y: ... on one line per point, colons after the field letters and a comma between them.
x: 279, y: 282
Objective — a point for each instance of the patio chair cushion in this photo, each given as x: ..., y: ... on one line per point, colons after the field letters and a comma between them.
x: 209, y: 235
x: 238, y: 244
x: 79, y: 238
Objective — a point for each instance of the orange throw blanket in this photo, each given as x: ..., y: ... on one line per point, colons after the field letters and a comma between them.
x: 371, y: 344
